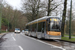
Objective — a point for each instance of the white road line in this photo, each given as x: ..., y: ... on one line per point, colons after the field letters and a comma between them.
x: 45, y: 43
x: 11, y: 35
x: 14, y: 38
x: 20, y: 47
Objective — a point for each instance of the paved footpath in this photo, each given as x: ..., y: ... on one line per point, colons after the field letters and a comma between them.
x: 68, y: 36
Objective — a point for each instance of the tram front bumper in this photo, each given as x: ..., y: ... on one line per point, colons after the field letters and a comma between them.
x: 55, y: 37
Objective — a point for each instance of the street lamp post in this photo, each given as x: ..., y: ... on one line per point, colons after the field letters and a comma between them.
x: 0, y: 16
x: 70, y: 20
x: 8, y: 18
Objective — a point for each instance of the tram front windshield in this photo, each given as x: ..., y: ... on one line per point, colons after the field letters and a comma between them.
x: 54, y: 25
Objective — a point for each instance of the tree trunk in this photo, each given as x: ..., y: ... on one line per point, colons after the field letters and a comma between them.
x: 49, y: 2
x: 63, y: 18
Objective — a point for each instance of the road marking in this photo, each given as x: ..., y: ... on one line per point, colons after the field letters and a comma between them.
x: 14, y: 38
x: 20, y: 47
x: 44, y: 42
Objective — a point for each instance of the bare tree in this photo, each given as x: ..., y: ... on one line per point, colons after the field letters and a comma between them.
x: 14, y: 17
x: 52, y: 5
x: 33, y: 8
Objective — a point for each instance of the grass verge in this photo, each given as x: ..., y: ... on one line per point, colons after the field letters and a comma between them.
x: 67, y: 39
x: 2, y: 31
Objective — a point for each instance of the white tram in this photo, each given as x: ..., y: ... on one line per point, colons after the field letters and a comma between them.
x: 47, y: 27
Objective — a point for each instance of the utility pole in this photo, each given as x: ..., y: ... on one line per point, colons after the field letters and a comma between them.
x: 15, y: 17
x: 0, y: 15
x: 8, y: 19
x: 8, y: 22
x: 70, y: 20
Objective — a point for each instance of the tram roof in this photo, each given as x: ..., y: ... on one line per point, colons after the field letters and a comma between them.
x: 43, y: 18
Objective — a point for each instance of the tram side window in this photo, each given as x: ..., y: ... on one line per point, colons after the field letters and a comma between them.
x: 29, y: 27
x: 48, y: 25
x: 33, y: 27
x: 43, y: 26
x: 39, y: 27
x: 26, y: 28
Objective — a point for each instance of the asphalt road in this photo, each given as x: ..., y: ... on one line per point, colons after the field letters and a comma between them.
x: 14, y: 41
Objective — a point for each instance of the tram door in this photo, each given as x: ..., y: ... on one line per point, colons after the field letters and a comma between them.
x: 43, y: 28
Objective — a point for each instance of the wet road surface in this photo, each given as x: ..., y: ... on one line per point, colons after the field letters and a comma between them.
x: 65, y: 45
x: 14, y: 41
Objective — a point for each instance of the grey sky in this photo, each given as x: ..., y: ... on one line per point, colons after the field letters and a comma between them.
x: 17, y: 3
x: 14, y: 3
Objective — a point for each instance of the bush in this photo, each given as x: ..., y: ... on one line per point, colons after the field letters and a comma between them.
x: 4, y: 22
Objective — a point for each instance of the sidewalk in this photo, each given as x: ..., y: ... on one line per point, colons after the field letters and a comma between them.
x: 68, y: 36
